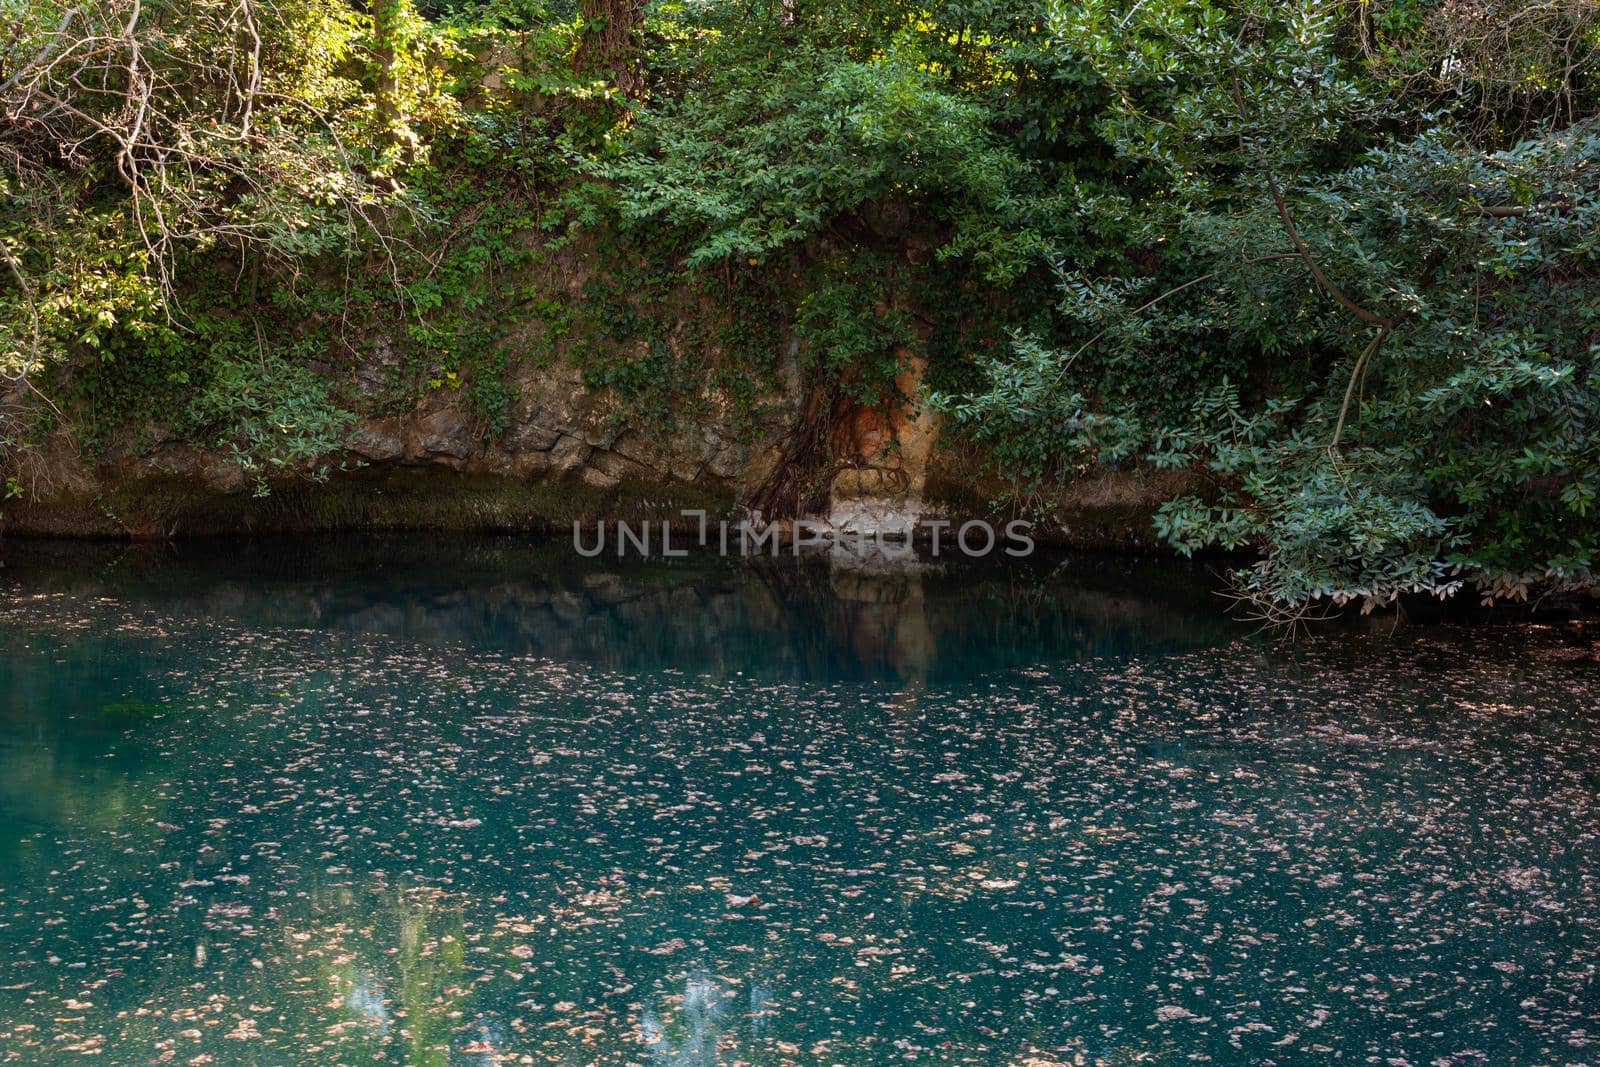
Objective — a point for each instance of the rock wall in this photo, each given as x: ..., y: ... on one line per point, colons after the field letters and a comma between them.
x: 569, y: 454
x: 565, y: 457
x: 559, y: 431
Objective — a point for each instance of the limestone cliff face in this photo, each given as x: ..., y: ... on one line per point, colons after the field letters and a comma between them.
x: 569, y: 453
x: 566, y: 455
x: 560, y: 432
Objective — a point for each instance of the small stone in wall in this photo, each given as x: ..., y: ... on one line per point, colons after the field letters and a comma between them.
x: 569, y: 454
x: 599, y: 478
x: 531, y: 437
x: 378, y: 440
x: 726, y: 463
x: 445, y: 433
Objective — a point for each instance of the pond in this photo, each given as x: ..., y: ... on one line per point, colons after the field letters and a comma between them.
x: 472, y: 801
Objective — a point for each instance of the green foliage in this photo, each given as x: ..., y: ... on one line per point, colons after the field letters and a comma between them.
x: 11, y: 488
x: 662, y: 349
x: 165, y: 145
x: 1336, y: 260
x: 270, y: 416
x: 77, y: 281
x: 1414, y: 306
x: 771, y: 155
x: 850, y: 328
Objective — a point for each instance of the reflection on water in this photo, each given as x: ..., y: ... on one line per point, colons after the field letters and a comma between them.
x: 808, y: 619
x: 467, y: 803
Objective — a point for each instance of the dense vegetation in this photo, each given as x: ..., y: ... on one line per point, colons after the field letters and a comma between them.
x: 1337, y: 257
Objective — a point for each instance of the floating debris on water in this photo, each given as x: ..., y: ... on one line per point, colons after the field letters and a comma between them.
x: 331, y: 846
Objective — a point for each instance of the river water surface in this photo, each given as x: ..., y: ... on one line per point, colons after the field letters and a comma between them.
x: 472, y: 802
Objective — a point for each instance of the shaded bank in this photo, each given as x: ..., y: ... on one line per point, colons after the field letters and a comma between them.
x: 1111, y: 511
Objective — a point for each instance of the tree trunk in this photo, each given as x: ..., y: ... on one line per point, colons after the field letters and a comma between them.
x: 610, y: 43
x: 801, y: 482
x: 388, y: 28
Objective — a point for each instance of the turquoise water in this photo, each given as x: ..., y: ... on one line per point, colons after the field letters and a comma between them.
x: 470, y: 802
